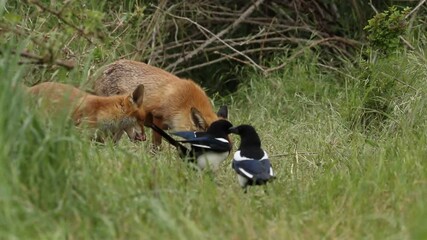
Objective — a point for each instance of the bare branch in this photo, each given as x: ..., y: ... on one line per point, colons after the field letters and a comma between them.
x: 415, y: 9
x: 337, y: 70
x: 407, y: 43
x: 373, y: 7
x: 293, y: 154
x: 15, y: 30
x: 46, y: 60
x: 235, y: 42
x: 60, y: 17
x: 229, y: 56
x: 217, y: 36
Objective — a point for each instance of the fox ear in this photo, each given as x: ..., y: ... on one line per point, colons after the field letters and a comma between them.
x: 138, y: 95
x: 198, y: 119
x: 223, y: 112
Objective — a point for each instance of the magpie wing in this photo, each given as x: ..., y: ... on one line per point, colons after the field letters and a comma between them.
x: 253, y: 169
x: 206, y: 142
x: 267, y: 165
x: 189, y: 135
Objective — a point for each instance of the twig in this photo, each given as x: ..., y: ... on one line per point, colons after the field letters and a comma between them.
x: 39, y: 60
x: 339, y: 71
x: 406, y: 43
x: 273, y: 36
x: 225, y: 57
x: 309, y: 162
x: 373, y: 7
x: 43, y: 60
x: 292, y: 154
x: 23, y: 33
x: 295, y: 164
x: 153, y: 44
x: 233, y: 58
x: 236, y: 43
x: 416, y: 8
x: 313, y: 44
x: 296, y: 158
x: 151, y: 32
x: 217, y: 36
x: 59, y: 16
x: 400, y: 81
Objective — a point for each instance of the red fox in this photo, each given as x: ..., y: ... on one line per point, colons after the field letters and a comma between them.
x: 109, y: 116
x: 170, y: 102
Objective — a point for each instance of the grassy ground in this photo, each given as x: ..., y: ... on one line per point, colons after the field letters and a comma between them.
x: 356, y: 184
x: 355, y: 139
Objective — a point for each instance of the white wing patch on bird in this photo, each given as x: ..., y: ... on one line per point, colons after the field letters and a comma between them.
x: 246, y: 173
x: 239, y: 157
x: 271, y: 171
x: 222, y: 140
x: 201, y: 146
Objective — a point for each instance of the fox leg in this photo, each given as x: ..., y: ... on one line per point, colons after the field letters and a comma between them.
x: 157, y: 139
x: 117, y: 135
x: 140, y: 136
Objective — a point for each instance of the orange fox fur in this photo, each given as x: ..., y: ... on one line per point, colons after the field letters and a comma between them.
x: 109, y: 116
x: 170, y: 102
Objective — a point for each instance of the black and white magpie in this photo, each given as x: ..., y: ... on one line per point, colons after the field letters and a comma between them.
x: 208, y: 149
x: 250, y: 161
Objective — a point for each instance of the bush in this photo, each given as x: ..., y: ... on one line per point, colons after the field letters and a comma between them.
x: 385, y: 28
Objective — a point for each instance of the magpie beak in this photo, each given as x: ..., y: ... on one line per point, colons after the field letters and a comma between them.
x: 234, y: 130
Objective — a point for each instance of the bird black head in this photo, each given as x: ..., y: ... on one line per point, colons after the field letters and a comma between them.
x: 249, y: 137
x: 219, y: 128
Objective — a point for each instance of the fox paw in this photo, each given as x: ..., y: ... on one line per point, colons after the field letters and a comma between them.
x: 154, y: 149
x: 139, y: 137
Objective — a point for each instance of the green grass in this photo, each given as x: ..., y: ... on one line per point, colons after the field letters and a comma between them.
x: 359, y: 182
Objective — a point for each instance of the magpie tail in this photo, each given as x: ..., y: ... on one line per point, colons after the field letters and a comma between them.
x: 183, y: 151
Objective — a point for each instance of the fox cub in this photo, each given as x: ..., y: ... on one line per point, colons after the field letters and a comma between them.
x: 109, y: 116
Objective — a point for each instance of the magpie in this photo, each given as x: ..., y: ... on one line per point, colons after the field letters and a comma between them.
x: 250, y: 161
x: 183, y: 151
x: 208, y: 149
